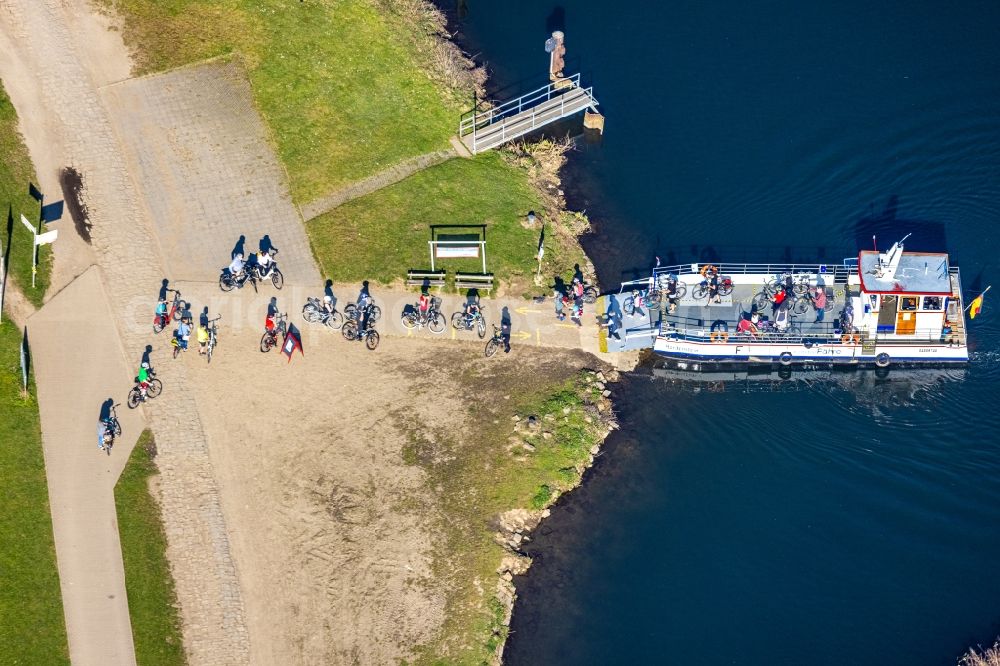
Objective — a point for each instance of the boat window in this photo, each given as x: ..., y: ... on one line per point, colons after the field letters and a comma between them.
x: 908, y: 303
x: 932, y: 303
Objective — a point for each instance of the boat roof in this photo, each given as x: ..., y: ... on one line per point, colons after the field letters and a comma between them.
x: 917, y: 273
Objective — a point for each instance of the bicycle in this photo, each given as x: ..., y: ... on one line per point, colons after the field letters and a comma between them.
x: 661, y: 287
x: 350, y: 331
x: 703, y: 289
x: 270, y: 338
x: 629, y: 305
x: 494, y: 343
x: 212, y: 337
x: 176, y: 343
x: 463, y: 321
x: 112, y: 429
x: 351, y: 312
x: 153, y: 388
x: 272, y: 271
x: 315, y: 312
x: 804, y: 302
x: 177, y: 307
x: 434, y: 320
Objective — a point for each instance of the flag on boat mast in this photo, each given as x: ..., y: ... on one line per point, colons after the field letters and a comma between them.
x: 977, y: 304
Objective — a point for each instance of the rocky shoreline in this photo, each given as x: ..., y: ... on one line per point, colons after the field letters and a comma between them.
x: 516, y: 525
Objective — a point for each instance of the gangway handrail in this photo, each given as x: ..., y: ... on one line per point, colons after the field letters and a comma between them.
x: 474, y: 122
x: 489, y: 115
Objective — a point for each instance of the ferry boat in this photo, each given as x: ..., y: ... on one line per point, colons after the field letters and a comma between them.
x: 881, y: 309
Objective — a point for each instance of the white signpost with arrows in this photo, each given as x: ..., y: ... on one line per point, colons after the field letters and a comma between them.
x: 40, y: 239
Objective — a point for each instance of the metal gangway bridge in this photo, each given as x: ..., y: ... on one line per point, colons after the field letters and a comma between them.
x: 483, y: 130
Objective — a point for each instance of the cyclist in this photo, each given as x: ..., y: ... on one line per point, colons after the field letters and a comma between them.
x: 637, y: 303
x: 365, y: 321
x: 161, y: 312
x: 672, y: 292
x: 423, y: 306
x: 202, y: 334
x: 143, y: 378
x: 471, y: 311
x: 713, y: 288
x: 264, y: 263
x: 182, y: 333
x: 102, y: 433
x: 328, y: 304
x: 236, y: 267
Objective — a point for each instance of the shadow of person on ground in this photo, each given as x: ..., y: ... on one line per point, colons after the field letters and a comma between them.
x: 203, y: 317
x: 146, y: 352
x: 164, y: 288
x: 266, y: 245
x: 558, y: 284
x: 472, y: 297
x: 614, y: 307
x: 105, y: 412
x: 238, y: 248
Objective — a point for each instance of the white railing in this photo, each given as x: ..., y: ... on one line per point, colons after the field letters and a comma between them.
x: 473, y: 121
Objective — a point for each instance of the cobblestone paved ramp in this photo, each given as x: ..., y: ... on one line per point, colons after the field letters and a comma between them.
x: 200, y: 154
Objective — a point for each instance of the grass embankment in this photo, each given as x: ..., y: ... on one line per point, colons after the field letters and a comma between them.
x: 386, y: 232
x: 348, y: 89
x: 152, y: 602
x: 16, y: 171
x: 32, y: 629
x: 497, y: 465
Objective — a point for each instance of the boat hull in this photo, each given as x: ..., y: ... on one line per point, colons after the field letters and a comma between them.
x: 788, y: 353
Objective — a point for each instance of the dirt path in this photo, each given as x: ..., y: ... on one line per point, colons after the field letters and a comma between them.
x: 375, y: 182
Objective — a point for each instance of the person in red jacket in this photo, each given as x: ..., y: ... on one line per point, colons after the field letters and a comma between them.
x: 778, y: 298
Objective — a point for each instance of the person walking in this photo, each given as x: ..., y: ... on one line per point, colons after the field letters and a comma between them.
x: 505, y: 329
x: 613, y: 325
x: 819, y: 302
x: 559, y: 299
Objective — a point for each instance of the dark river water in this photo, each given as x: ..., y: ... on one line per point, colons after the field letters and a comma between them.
x: 841, y: 519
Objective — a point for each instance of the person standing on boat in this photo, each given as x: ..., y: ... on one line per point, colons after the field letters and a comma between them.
x: 713, y: 288
x: 819, y: 302
x: 779, y: 297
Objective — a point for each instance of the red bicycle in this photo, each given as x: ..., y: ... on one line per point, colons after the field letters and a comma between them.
x: 161, y: 319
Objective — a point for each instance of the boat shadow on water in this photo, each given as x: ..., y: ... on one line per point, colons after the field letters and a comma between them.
x: 872, y: 386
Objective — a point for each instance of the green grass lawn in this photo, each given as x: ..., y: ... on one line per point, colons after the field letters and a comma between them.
x: 32, y: 629
x: 340, y: 85
x: 480, y: 477
x: 16, y: 171
x: 381, y: 235
x: 152, y: 603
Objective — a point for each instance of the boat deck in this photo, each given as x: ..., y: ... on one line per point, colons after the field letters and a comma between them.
x: 640, y: 330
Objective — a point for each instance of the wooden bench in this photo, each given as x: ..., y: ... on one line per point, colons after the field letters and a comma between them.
x: 479, y: 281
x: 415, y: 278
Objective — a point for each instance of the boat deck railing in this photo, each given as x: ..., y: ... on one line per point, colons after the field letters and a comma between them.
x: 839, y: 272
x: 700, y: 330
